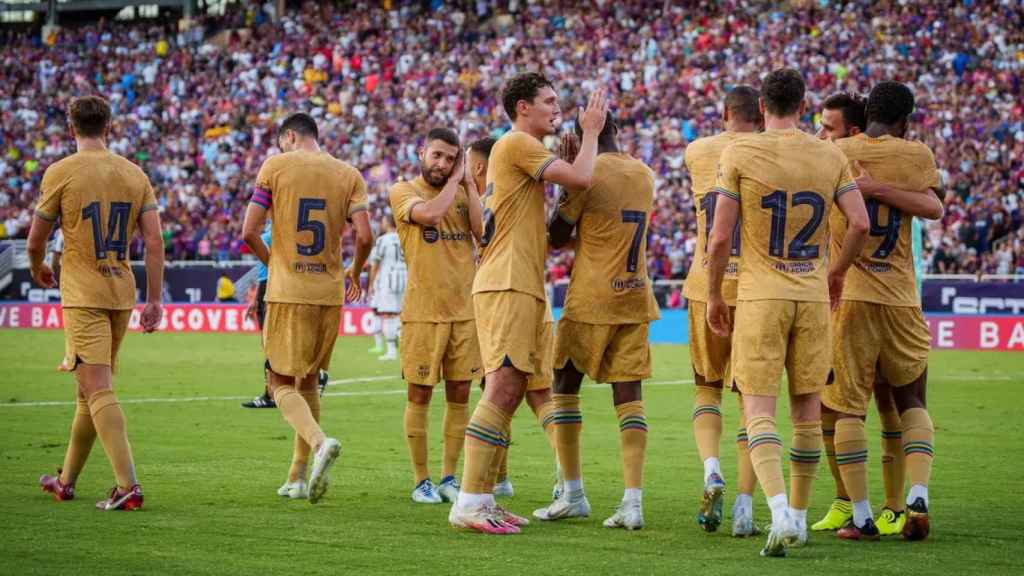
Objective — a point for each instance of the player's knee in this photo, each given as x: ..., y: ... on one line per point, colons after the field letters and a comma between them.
x: 567, y: 379
x: 805, y: 407
x: 537, y: 398
x: 505, y: 388
x: 92, y: 378
x: 420, y: 394
x: 457, y: 391
x: 625, y: 392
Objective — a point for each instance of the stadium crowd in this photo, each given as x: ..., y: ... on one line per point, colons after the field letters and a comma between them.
x: 196, y: 107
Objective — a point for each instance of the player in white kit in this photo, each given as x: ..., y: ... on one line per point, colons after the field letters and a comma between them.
x: 387, y: 281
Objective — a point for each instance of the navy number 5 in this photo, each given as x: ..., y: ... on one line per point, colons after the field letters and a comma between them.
x: 307, y: 205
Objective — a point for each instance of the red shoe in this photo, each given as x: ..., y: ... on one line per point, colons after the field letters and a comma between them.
x: 866, y: 532
x: 917, y: 526
x: 53, y: 485
x: 130, y: 499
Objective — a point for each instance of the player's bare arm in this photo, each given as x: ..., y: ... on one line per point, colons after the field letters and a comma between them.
x: 431, y: 212
x: 579, y: 173
x: 727, y: 210
x: 852, y: 206
x: 149, y: 225
x: 364, y: 243
x: 922, y: 205
x: 36, y: 248
x: 252, y: 226
x: 560, y: 231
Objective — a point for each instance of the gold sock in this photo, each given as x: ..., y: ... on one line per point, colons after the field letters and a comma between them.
x: 503, y: 465
x: 416, y: 424
x: 486, y: 433
x: 918, y: 436
x: 852, y: 457
x: 83, y: 434
x: 544, y: 414
x: 632, y: 441
x: 300, y: 449
x: 297, y: 413
x: 499, y: 460
x: 893, y: 471
x: 804, y: 455
x: 765, y: 448
x: 707, y: 420
x: 108, y: 419
x: 746, y: 480
x: 567, y: 420
x: 456, y: 416
x: 828, y: 434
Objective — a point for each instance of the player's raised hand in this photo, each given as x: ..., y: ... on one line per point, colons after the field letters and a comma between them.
x: 151, y: 316
x: 352, y: 289
x: 44, y: 276
x: 868, y: 186
x: 592, y: 119
x: 835, y: 288
x: 459, y: 173
x: 718, y: 316
x: 569, y: 147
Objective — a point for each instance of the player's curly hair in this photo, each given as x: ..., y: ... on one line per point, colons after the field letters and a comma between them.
x: 483, y: 146
x: 522, y: 87
x: 852, y: 107
x: 90, y: 116
x: 783, y: 91
x: 889, y: 103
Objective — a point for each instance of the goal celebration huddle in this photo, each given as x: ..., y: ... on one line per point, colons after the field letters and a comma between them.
x: 803, y: 275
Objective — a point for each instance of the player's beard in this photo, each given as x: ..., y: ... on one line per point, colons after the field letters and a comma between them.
x: 436, y: 177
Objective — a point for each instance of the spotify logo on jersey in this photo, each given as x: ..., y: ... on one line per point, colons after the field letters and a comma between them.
x: 430, y: 235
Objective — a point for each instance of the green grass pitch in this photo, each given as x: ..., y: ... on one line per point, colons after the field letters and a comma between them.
x: 210, y: 470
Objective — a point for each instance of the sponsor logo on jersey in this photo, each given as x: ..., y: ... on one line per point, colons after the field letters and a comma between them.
x: 430, y: 235
x: 310, y: 268
x: 623, y: 284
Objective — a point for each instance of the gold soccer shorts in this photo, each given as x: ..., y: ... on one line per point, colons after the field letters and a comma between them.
x: 775, y: 335
x: 545, y: 374
x: 874, y: 339
x: 606, y: 352
x: 510, y: 325
x: 298, y: 338
x: 93, y: 336
x: 709, y: 352
x: 434, y: 350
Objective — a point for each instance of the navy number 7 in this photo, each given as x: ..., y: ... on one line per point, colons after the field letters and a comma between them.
x: 640, y: 219
x: 307, y: 205
x: 707, y: 204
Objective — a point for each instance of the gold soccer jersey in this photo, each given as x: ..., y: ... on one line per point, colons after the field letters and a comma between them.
x: 309, y: 195
x: 98, y: 197
x: 516, y: 237
x: 884, y: 271
x: 784, y: 200
x: 702, y: 162
x: 441, y: 259
x: 609, y: 283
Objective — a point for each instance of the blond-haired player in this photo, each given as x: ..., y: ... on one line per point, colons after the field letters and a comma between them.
x: 309, y: 196
x: 781, y: 184
x: 709, y: 353
x: 508, y: 292
x: 100, y: 198
x: 439, y: 217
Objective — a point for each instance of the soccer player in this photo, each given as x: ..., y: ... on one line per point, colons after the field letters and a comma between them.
x: 709, y: 353
x: 439, y: 217
x: 880, y: 329
x: 372, y: 289
x: 603, y: 329
x: 258, y: 311
x: 842, y: 116
x: 309, y: 195
x: 508, y: 291
x: 99, y: 198
x: 781, y: 185
x: 538, y: 384
x: 388, y: 276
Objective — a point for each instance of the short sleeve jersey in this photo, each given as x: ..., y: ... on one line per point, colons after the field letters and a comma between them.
x: 609, y: 283
x: 441, y: 259
x: 702, y: 162
x: 884, y: 271
x: 310, y: 195
x: 786, y: 182
x: 98, y: 197
x: 514, y: 219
